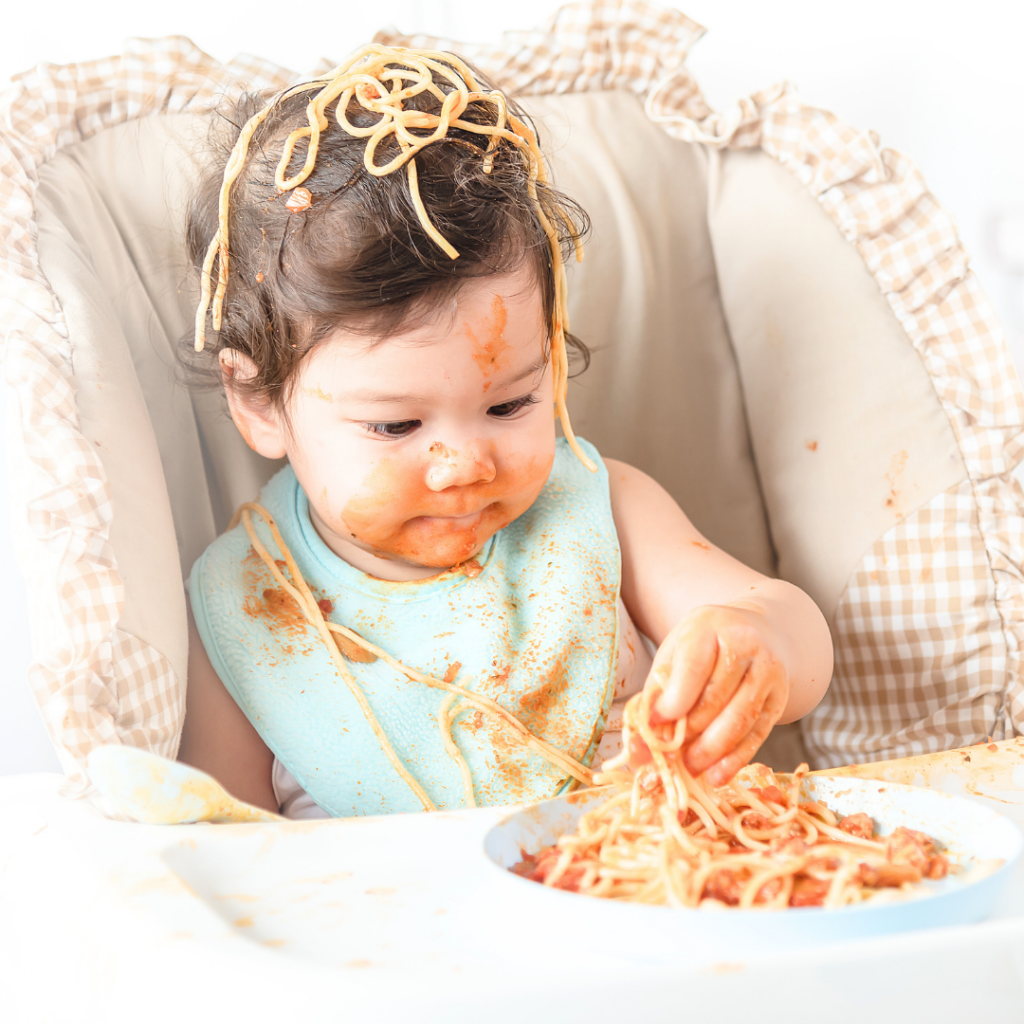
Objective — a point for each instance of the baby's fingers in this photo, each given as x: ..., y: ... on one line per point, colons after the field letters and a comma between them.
x: 730, y: 670
x: 680, y: 670
x: 738, y: 733
x: 639, y: 752
x: 722, y: 771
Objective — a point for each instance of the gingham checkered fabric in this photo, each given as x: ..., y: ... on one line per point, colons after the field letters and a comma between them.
x: 94, y: 683
x: 928, y: 632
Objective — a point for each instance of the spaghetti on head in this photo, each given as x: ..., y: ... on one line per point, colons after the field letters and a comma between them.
x: 361, y: 201
x: 664, y: 837
x: 473, y: 198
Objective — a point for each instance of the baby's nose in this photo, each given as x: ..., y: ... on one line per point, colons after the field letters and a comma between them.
x: 471, y: 464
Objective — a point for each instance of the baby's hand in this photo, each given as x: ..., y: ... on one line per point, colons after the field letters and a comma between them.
x: 718, y: 667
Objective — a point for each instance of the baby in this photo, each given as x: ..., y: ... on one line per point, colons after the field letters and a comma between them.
x: 438, y: 602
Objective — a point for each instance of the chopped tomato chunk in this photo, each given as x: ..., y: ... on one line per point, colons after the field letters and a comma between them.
x: 789, y: 846
x: 768, y: 891
x: 808, y: 892
x: 725, y: 886
x: 905, y: 846
x: 859, y: 825
x: 878, y: 876
x: 772, y: 794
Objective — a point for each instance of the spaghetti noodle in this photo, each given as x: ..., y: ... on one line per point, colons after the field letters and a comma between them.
x: 339, y: 638
x: 381, y: 80
x: 664, y: 837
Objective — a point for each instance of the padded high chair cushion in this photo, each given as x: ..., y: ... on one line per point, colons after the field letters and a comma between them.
x: 100, y: 498
x: 786, y: 334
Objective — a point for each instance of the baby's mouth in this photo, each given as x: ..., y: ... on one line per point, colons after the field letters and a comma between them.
x: 464, y: 520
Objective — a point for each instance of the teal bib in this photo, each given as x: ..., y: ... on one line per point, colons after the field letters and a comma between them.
x: 536, y: 630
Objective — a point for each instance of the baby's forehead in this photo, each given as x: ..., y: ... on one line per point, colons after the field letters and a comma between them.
x: 488, y: 300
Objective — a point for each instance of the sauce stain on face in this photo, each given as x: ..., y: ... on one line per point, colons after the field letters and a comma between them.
x: 317, y: 392
x: 490, y: 352
x: 397, y: 514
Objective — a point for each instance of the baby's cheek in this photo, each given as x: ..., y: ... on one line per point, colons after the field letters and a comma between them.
x: 528, y: 475
x: 383, y: 496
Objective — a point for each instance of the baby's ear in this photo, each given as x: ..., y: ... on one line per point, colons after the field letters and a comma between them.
x: 258, y: 419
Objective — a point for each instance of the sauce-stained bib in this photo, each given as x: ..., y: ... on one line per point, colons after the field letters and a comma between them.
x: 536, y: 630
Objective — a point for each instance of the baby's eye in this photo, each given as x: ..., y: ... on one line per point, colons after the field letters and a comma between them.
x: 397, y: 429
x: 507, y: 409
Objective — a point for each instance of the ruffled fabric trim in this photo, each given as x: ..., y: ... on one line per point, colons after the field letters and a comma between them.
x: 94, y: 683
x: 588, y: 47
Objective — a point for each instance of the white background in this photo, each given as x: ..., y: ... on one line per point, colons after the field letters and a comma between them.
x: 941, y: 81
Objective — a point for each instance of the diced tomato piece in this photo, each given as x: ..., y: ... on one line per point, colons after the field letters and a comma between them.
x: 570, y: 881
x: 879, y: 876
x: 725, y: 886
x: 544, y: 863
x: 789, y: 846
x: 905, y: 846
x: 526, y: 867
x: 773, y: 795
x: 768, y: 891
x: 808, y: 892
x: 859, y: 825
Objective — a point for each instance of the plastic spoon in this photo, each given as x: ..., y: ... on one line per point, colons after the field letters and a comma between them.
x: 156, y: 791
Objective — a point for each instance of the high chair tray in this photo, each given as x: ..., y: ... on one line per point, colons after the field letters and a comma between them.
x: 403, y: 918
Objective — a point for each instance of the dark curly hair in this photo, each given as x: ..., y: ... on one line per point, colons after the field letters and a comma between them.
x: 358, y: 257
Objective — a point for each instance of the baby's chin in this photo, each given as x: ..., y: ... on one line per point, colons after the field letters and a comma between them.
x: 445, y: 554
x: 439, y: 544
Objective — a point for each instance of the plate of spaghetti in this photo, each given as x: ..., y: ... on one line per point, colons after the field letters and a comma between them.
x: 844, y: 858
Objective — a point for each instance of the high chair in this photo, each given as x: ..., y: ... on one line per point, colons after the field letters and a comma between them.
x: 786, y: 331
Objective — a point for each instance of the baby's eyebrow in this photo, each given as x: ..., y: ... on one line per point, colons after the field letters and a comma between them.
x: 385, y: 398
x: 534, y: 368
x: 379, y: 396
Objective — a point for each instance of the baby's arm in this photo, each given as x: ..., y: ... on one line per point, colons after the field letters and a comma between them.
x: 218, y: 738
x: 738, y: 651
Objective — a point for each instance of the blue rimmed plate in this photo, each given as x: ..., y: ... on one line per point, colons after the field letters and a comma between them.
x: 984, y: 844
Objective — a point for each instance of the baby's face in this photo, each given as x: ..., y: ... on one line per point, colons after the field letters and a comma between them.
x: 415, y: 451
